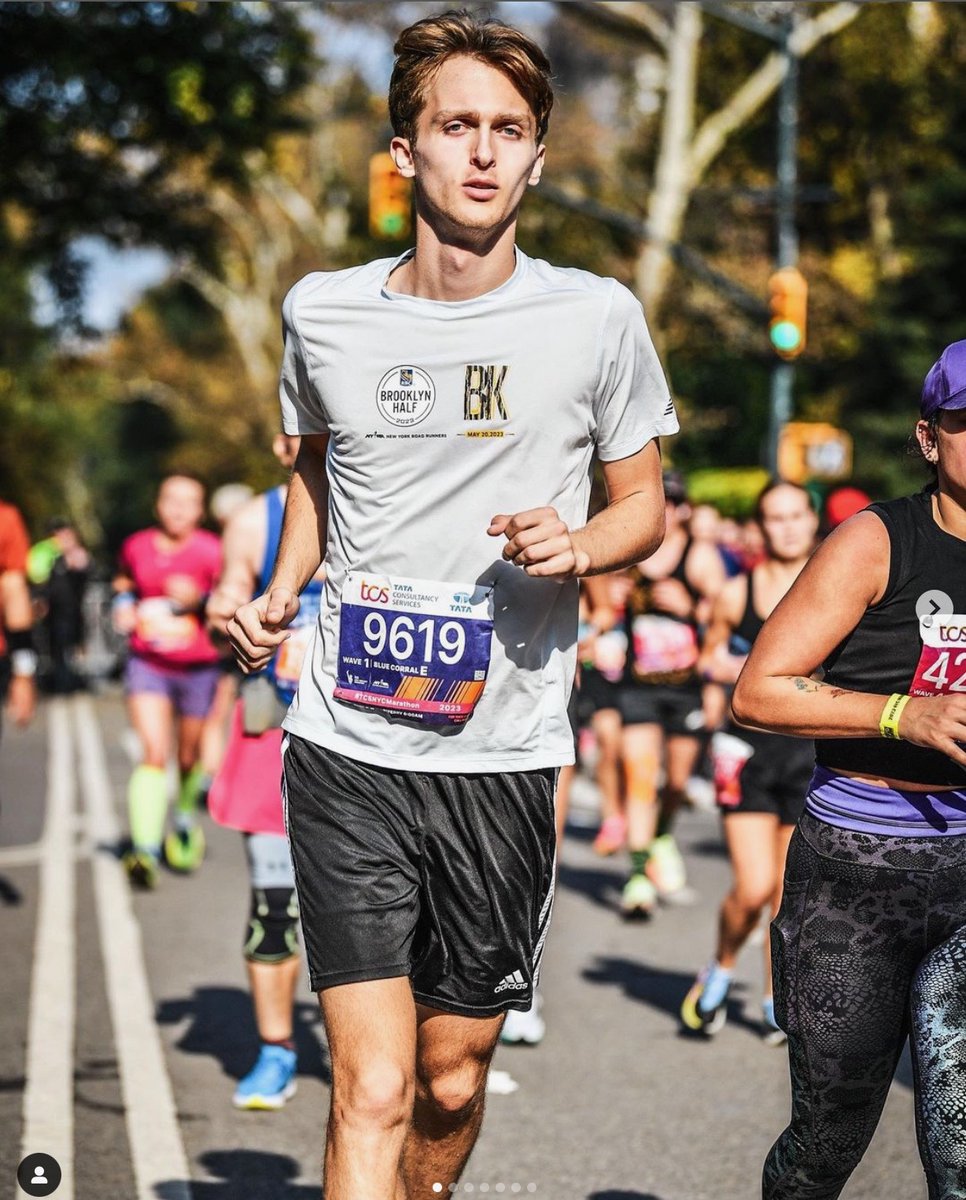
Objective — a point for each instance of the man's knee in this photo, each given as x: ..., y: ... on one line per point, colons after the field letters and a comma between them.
x: 377, y: 1095
x: 454, y: 1092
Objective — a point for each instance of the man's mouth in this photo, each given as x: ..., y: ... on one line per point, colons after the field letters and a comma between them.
x: 479, y: 189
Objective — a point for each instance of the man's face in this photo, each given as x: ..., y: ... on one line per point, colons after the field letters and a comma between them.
x: 180, y: 505
x: 789, y: 523
x: 475, y: 151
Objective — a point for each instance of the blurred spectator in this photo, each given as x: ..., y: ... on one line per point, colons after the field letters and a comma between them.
x: 227, y: 500
x: 752, y: 545
x: 58, y: 569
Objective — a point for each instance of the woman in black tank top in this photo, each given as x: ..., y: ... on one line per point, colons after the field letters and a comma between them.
x: 870, y: 941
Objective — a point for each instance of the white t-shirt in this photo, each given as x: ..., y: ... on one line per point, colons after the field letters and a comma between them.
x: 440, y: 415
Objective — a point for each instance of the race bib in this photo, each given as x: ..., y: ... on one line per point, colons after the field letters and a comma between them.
x: 414, y: 647
x: 663, y: 646
x: 728, y: 757
x: 286, y: 667
x: 610, y: 654
x: 942, y: 664
x: 162, y: 626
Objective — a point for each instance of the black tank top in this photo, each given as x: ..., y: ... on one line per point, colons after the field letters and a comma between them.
x: 656, y: 654
x: 748, y: 628
x: 885, y: 651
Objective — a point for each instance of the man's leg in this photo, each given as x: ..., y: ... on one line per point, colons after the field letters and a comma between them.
x: 371, y: 1031
x: 452, y: 1058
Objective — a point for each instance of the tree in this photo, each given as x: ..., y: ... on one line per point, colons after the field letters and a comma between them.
x: 116, y: 116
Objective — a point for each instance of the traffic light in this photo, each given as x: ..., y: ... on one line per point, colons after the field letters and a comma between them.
x: 788, y: 301
x: 389, y: 199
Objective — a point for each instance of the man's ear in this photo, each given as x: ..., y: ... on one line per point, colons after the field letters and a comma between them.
x: 402, y: 156
x: 537, y: 166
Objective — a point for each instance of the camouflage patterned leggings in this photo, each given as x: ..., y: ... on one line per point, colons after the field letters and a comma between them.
x: 869, y: 946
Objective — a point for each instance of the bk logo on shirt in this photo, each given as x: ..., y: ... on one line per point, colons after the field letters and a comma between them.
x: 483, y: 398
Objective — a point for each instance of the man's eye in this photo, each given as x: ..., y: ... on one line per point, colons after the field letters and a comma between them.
x: 513, y: 131
x: 453, y: 127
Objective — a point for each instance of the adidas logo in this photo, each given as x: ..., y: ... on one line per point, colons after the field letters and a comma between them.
x: 514, y: 982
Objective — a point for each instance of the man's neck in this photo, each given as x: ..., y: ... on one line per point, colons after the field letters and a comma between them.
x: 443, y: 270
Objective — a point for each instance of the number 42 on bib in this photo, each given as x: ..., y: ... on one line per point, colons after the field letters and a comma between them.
x: 942, y: 664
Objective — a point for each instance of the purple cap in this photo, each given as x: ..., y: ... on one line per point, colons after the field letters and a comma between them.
x: 945, y: 385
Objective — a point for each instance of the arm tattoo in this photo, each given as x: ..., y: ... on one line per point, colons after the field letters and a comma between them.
x: 812, y: 685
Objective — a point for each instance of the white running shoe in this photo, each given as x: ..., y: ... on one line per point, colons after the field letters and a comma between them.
x: 525, y: 1028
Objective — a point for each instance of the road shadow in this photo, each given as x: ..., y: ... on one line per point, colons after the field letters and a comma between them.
x: 707, y: 848
x: 10, y: 894
x: 622, y: 1195
x: 222, y: 1025
x: 243, y: 1175
x: 599, y: 884
x: 663, y: 990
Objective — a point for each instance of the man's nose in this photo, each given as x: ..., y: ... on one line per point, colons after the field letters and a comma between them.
x: 483, y: 147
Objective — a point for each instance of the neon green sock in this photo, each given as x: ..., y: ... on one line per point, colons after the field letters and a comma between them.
x: 192, y: 785
x: 147, y: 800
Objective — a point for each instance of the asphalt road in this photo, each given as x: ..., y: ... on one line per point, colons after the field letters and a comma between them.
x: 125, y: 1022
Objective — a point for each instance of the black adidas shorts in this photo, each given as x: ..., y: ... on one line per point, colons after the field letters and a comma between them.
x: 447, y: 879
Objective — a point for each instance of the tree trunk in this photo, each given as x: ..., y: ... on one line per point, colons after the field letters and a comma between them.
x: 668, y: 200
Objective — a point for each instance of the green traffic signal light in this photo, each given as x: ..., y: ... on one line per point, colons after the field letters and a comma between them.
x: 785, y: 336
x: 392, y: 224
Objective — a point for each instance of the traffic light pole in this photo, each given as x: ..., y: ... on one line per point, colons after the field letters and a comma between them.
x: 783, y: 373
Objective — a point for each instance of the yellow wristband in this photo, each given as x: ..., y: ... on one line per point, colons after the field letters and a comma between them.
x: 889, y: 721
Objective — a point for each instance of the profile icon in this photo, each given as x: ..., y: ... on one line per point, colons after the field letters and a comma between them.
x: 39, y: 1175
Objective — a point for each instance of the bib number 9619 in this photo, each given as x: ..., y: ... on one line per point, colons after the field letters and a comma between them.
x: 413, y: 647
x: 444, y: 642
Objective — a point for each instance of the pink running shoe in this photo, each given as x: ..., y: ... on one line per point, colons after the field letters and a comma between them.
x: 611, y: 836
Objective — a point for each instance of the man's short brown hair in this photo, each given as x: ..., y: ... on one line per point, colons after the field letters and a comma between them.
x: 423, y: 48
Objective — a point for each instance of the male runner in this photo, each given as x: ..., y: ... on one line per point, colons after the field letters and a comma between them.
x: 246, y: 792
x: 164, y: 576
x: 760, y: 778
x: 450, y: 402
x: 660, y: 699
x: 18, y: 659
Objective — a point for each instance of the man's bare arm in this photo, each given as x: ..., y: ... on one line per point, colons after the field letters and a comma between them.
x: 629, y: 529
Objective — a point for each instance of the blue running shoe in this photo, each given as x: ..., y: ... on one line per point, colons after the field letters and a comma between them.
x: 705, y: 1007
x: 270, y: 1082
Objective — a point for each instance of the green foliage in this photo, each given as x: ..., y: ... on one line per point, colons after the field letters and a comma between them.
x: 114, y: 115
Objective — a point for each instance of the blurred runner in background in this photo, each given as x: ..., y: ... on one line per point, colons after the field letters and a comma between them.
x: 246, y: 793
x: 760, y: 778
x: 660, y: 699
x: 165, y: 574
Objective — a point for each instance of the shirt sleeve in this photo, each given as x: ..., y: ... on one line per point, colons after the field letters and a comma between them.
x: 302, y: 409
x: 633, y: 402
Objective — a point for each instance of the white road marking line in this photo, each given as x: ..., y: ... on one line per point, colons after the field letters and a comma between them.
x: 31, y: 854
x: 157, y: 1149
x: 48, y: 1102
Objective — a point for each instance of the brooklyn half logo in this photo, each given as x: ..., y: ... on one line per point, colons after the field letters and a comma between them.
x: 405, y: 395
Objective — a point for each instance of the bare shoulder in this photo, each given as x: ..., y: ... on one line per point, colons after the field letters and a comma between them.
x: 859, y: 552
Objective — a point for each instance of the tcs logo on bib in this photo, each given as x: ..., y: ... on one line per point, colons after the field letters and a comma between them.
x: 374, y: 593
